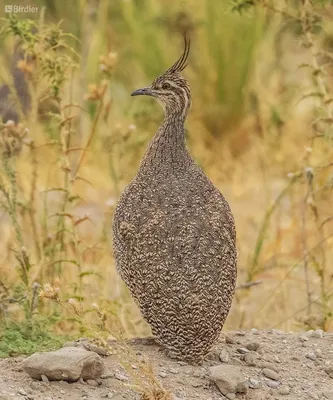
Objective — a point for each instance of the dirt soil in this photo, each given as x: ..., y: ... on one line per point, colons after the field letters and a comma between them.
x: 300, y: 365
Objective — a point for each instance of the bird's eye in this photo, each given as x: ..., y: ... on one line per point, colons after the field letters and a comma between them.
x: 166, y: 86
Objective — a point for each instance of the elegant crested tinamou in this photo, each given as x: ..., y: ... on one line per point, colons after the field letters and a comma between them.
x: 174, y: 236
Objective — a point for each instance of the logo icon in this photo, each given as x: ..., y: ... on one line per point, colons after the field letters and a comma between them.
x: 8, y: 8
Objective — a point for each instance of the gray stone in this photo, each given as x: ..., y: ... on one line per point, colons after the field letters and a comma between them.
x: 224, y: 356
x: 318, y: 333
x: 272, y: 384
x: 44, y: 378
x: 68, y: 363
x: 253, y: 346
x: 229, y: 379
x: 284, y: 390
x: 329, y: 372
x: 311, y: 355
x: 270, y: 365
x: 250, y: 359
x: 92, y: 382
x: 254, y: 383
x: 269, y: 373
x: 121, y: 377
x: 229, y: 339
x: 242, y: 350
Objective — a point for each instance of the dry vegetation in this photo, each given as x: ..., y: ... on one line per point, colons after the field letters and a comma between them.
x: 260, y: 126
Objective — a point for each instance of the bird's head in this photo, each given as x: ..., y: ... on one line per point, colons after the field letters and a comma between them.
x: 171, y: 89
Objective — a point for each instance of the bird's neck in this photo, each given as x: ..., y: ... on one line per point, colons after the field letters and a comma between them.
x: 167, y: 152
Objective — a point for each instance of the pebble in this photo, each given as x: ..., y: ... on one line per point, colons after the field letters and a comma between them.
x: 303, y: 338
x: 318, y: 353
x: 34, y: 385
x: 284, y: 390
x: 199, y: 373
x: 269, y: 373
x: 121, y: 377
x: 224, y: 356
x: 115, y: 396
x: 253, y: 346
x: 250, y: 359
x: 44, y: 378
x: 240, y: 333
x: 254, y: 383
x: 311, y: 355
x: 162, y: 374
x: 254, y: 331
x: 229, y: 339
x: 269, y: 365
x: 329, y: 372
x: 243, y: 350
x: 272, y: 384
x: 318, y: 333
x: 173, y: 370
x: 92, y: 382
x: 22, y: 392
x: 230, y: 396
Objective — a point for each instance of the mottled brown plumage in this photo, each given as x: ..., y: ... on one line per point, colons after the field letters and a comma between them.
x: 174, y: 236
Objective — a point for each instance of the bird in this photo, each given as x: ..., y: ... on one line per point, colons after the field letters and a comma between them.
x: 173, y: 233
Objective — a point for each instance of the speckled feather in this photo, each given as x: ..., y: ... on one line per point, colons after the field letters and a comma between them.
x: 174, y: 237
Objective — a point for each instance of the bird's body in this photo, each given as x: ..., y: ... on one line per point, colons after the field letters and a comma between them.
x: 174, y: 245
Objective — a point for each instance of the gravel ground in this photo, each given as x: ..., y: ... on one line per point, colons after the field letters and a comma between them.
x: 251, y: 365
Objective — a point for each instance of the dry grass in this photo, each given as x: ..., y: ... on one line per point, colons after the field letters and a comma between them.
x: 251, y: 128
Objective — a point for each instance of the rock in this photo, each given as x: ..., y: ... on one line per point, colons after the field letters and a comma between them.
x: 162, y: 374
x: 318, y: 333
x: 173, y: 370
x: 242, y: 350
x: 284, y: 390
x: 44, y: 378
x: 252, y: 346
x: 240, y: 333
x: 68, y: 363
x: 92, y: 382
x: 254, y: 383
x: 224, y: 356
x: 230, y: 396
x: 229, y: 379
x: 272, y: 384
x: 311, y: 355
x: 121, y: 377
x: 329, y: 372
x: 269, y: 373
x: 318, y: 353
x: 250, y: 359
x: 269, y: 365
x: 229, y: 339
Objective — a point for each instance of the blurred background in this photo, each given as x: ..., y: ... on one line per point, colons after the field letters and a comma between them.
x: 261, y: 127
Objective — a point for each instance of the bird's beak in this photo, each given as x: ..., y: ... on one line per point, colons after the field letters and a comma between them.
x: 142, y: 92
